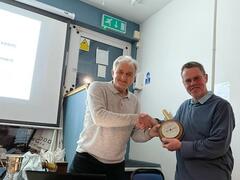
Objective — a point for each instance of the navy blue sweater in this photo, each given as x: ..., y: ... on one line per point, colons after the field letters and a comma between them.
x: 205, y: 153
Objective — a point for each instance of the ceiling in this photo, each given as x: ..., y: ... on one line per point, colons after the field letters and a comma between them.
x: 133, y: 10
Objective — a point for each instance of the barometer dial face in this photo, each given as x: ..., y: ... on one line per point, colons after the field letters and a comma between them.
x: 171, y: 129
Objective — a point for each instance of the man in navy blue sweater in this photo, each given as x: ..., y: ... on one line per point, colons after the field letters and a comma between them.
x: 204, y: 152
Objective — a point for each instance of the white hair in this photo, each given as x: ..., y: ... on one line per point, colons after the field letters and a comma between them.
x: 126, y: 59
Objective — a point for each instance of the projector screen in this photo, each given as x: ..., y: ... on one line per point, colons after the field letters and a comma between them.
x: 32, y: 50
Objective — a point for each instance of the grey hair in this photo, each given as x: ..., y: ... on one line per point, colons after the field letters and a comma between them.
x: 193, y: 64
x: 126, y: 59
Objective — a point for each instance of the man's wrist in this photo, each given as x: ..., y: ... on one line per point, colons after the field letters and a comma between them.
x: 147, y: 132
x: 150, y: 134
x: 158, y: 120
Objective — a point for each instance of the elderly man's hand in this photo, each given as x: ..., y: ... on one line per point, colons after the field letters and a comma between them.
x: 145, y: 121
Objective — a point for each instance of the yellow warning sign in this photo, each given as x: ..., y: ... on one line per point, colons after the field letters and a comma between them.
x: 84, y: 44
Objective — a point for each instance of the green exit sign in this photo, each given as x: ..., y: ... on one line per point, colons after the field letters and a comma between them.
x: 109, y: 22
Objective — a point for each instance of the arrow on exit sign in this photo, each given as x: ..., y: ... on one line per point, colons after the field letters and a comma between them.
x: 112, y: 23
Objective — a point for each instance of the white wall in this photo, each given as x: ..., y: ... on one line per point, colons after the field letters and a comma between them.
x: 180, y: 32
x: 228, y: 64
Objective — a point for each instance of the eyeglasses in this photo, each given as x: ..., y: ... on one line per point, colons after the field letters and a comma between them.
x: 194, y: 79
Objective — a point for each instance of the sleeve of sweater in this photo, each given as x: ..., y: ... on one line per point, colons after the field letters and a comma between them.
x: 139, y: 135
x: 219, y: 139
x: 96, y: 100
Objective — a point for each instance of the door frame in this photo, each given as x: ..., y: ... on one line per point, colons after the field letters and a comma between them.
x: 73, y: 53
x: 126, y: 46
